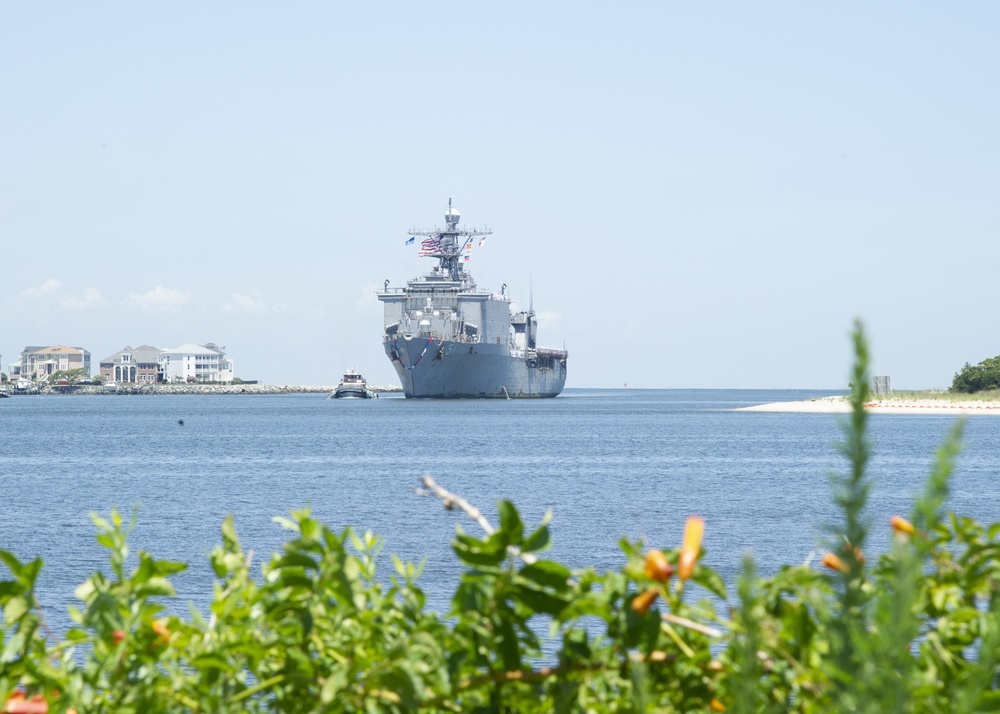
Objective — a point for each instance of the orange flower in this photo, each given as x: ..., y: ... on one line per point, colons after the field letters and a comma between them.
x: 901, y: 525
x: 834, y: 563
x: 160, y: 628
x: 18, y: 703
x: 642, y: 602
x: 118, y: 636
x: 657, y: 567
x: 694, y: 529
x: 716, y: 706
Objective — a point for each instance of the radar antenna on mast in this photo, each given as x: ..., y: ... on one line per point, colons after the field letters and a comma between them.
x: 447, y: 244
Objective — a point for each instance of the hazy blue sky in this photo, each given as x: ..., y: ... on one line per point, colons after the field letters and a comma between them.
x: 703, y: 195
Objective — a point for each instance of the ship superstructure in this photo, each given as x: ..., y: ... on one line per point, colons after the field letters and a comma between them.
x: 448, y: 339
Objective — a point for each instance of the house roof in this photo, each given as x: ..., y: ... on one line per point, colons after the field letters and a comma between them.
x: 142, y: 353
x: 64, y: 349
x: 191, y: 349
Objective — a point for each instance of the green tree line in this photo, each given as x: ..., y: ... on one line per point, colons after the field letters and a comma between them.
x: 982, y: 377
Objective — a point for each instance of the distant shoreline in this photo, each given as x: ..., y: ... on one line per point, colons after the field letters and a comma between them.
x: 841, y: 405
x: 173, y: 389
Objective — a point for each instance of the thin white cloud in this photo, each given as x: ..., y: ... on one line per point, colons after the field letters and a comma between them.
x: 46, y: 289
x: 549, y: 318
x: 243, y: 303
x: 367, y: 302
x: 90, y: 298
x: 159, y: 299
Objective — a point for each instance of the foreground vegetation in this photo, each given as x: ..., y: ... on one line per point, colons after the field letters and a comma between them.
x: 914, y: 629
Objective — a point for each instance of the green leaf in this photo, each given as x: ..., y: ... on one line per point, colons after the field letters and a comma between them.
x: 14, y: 645
x: 508, y: 646
x: 145, y: 570
x: 586, y: 606
x: 212, y: 661
x: 548, y: 573
x: 295, y: 560
x: 539, y: 600
x: 229, y: 531
x: 196, y: 617
x: 155, y: 586
x: 84, y: 590
x: 988, y: 702
x: 334, y: 683
x: 11, y: 561
x: 537, y: 541
x: 169, y: 567
x: 711, y: 581
x: 293, y: 578
x: 510, y: 523
x: 286, y: 523
x: 15, y: 608
x: 308, y: 528
x: 476, y: 552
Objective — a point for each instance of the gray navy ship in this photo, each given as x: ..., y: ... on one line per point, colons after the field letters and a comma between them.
x: 449, y: 340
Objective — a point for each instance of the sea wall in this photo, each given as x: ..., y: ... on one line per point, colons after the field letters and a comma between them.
x: 162, y: 389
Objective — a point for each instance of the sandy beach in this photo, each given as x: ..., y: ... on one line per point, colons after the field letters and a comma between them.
x: 887, y: 406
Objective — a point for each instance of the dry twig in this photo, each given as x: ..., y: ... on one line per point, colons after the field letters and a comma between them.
x: 451, y: 500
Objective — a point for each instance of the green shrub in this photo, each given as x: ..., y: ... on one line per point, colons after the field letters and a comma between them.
x: 981, y: 377
x: 916, y: 629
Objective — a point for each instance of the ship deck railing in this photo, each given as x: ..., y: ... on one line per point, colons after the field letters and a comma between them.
x: 435, y: 336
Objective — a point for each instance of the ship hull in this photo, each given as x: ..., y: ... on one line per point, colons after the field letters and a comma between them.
x: 430, y: 369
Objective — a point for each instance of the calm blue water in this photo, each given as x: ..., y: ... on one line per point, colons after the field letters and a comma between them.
x: 609, y: 463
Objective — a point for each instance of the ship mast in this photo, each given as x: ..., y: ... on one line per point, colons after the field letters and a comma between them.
x: 447, y: 245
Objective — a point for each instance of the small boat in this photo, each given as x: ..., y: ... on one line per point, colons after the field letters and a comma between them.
x: 352, y: 386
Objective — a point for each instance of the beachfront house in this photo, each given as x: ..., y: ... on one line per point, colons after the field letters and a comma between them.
x: 132, y: 365
x: 38, y: 362
x: 196, y: 363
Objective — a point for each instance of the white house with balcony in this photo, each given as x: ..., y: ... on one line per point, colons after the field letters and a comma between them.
x: 195, y: 363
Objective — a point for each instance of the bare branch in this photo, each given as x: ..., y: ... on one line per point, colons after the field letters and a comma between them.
x: 691, y: 624
x: 450, y: 500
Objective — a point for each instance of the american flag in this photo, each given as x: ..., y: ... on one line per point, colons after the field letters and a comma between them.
x: 430, y: 246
